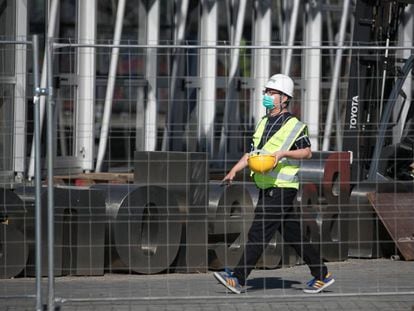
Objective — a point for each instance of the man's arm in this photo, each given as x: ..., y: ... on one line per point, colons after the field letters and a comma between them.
x: 297, y: 154
x: 236, y: 168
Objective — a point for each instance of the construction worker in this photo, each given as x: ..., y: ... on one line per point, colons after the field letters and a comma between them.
x: 282, y: 135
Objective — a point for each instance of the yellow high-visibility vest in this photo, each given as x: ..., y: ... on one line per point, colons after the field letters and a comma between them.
x: 284, y: 175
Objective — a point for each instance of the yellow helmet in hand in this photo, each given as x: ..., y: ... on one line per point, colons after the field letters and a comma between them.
x: 260, y: 162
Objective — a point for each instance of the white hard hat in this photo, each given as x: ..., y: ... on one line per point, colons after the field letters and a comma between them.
x: 282, y: 83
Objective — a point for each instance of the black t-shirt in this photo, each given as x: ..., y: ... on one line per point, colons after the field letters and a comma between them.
x: 274, y: 124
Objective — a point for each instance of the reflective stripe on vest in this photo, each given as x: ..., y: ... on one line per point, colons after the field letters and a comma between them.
x: 285, y: 173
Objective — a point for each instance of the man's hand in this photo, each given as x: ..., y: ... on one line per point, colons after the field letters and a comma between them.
x: 236, y: 168
x: 228, y: 179
x: 278, y: 156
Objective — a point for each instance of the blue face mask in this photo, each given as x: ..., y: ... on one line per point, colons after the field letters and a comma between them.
x: 267, y: 101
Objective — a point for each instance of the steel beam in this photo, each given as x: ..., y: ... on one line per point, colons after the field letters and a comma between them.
x: 312, y: 71
x: 110, y: 86
x: 180, y: 22
x: 19, y: 139
x: 141, y: 91
x: 152, y: 37
x: 261, y: 57
x: 230, y: 136
x: 177, y: 109
x: 85, y: 97
x: 292, y: 32
x: 207, y: 72
x: 7, y: 86
x: 335, y: 79
x: 53, y: 13
x: 50, y: 155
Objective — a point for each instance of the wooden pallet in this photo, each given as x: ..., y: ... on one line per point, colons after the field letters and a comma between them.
x: 86, y: 179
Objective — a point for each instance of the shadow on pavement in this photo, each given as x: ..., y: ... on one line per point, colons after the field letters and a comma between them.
x: 270, y: 283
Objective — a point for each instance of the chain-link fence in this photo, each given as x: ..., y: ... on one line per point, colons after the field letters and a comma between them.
x: 154, y: 225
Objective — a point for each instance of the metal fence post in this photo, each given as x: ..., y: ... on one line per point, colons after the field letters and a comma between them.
x: 38, y: 203
x: 50, y: 158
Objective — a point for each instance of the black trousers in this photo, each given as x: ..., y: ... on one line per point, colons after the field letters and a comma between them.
x: 274, y: 211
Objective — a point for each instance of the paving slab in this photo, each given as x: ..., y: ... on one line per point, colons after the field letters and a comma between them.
x: 372, y: 284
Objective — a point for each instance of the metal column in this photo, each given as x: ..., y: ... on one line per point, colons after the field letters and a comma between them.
x: 152, y: 37
x: 110, y: 86
x: 19, y: 132
x: 261, y: 57
x: 50, y: 191
x: 207, y: 71
x: 85, y: 101
x: 312, y: 71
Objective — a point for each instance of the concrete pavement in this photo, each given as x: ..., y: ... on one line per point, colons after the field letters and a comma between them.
x: 376, y: 284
